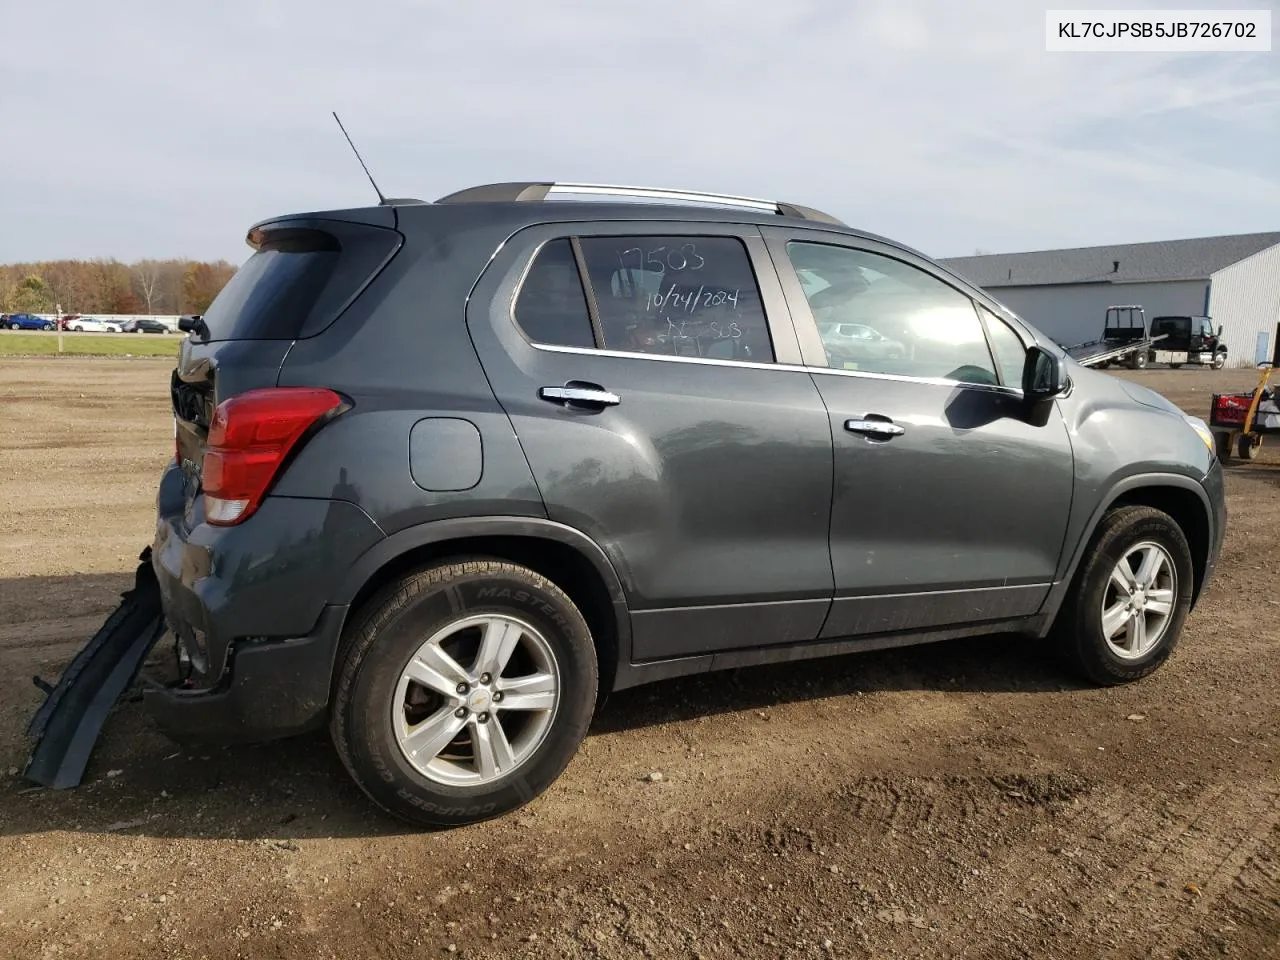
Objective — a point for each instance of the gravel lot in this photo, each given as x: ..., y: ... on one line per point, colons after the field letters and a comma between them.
x: 958, y: 800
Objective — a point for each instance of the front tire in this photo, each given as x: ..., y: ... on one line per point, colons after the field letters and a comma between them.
x: 463, y: 692
x: 1129, y: 599
x: 1219, y: 361
x: 1247, y: 448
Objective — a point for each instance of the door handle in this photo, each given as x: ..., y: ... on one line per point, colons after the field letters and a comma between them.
x: 879, y: 429
x: 589, y: 395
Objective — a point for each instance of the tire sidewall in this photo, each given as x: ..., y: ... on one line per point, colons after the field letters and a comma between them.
x: 1095, y: 652
x: 370, y: 737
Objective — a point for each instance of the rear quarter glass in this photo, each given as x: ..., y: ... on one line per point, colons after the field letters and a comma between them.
x: 300, y: 278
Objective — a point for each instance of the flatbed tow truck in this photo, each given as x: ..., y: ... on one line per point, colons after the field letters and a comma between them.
x: 1125, y: 340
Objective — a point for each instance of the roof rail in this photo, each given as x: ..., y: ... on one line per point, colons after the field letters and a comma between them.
x: 540, y: 191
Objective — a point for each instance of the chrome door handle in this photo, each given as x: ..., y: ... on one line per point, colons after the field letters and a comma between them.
x: 573, y: 392
x: 883, y: 429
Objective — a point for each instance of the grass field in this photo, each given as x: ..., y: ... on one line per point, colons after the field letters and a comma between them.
x: 89, y: 344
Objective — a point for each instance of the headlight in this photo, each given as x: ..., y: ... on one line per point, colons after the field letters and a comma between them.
x: 1202, y: 430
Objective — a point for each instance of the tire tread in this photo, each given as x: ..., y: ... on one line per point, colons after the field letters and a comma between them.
x: 1072, y: 631
x: 382, y: 608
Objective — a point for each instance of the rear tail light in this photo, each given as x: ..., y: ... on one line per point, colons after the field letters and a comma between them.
x: 250, y: 438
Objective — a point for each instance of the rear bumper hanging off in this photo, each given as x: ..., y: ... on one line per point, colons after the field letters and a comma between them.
x: 66, y: 726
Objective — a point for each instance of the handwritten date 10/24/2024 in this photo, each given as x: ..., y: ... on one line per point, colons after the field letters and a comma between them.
x: 682, y: 259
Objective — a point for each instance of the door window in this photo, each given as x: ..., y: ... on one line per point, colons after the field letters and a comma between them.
x: 552, y: 307
x: 675, y: 296
x: 909, y: 322
x: 679, y: 296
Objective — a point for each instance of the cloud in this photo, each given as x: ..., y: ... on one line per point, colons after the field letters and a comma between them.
x: 166, y: 129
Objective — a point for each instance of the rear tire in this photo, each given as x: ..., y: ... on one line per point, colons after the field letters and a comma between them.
x: 385, y: 722
x: 1095, y: 631
x: 1138, y: 361
x: 1175, y: 366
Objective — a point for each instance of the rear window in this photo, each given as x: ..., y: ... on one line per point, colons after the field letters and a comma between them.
x: 1168, y: 325
x: 298, y: 281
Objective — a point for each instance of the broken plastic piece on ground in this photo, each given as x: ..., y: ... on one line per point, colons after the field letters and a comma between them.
x: 67, y: 725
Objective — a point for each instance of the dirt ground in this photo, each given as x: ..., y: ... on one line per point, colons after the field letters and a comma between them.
x: 959, y: 800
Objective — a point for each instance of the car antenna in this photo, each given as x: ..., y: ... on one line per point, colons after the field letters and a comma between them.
x: 381, y: 199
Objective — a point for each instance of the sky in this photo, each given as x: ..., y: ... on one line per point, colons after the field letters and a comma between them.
x: 157, y: 129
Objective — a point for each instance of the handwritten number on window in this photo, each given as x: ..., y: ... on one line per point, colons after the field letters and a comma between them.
x: 659, y: 259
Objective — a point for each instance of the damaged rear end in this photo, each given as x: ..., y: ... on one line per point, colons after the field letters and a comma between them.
x: 68, y: 723
x: 238, y: 577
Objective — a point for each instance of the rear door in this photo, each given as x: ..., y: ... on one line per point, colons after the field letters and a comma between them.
x: 951, y: 501
x: 658, y: 418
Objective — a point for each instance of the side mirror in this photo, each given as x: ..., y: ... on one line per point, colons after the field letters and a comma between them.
x: 1219, y: 331
x: 1044, y: 376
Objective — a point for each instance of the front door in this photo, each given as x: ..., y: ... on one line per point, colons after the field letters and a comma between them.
x: 951, y: 501
x: 656, y: 419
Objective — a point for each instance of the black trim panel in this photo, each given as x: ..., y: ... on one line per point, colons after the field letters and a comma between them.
x: 636, y: 674
x: 665, y: 632
x: 887, y: 613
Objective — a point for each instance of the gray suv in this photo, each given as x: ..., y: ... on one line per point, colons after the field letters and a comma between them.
x: 446, y: 474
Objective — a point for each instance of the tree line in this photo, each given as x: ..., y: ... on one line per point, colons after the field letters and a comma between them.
x: 109, y: 286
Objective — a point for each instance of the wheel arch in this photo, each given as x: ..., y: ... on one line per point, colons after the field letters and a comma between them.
x: 1181, y: 497
x: 562, y: 554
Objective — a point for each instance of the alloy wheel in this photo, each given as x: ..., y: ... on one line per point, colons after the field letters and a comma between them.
x: 476, y: 700
x: 1138, y: 603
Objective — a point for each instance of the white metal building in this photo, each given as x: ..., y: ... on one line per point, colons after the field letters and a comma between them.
x: 1065, y: 293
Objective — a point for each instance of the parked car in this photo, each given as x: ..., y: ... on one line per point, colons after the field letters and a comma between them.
x: 444, y: 497
x: 144, y: 325
x: 27, y: 321
x: 856, y: 342
x: 90, y: 325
